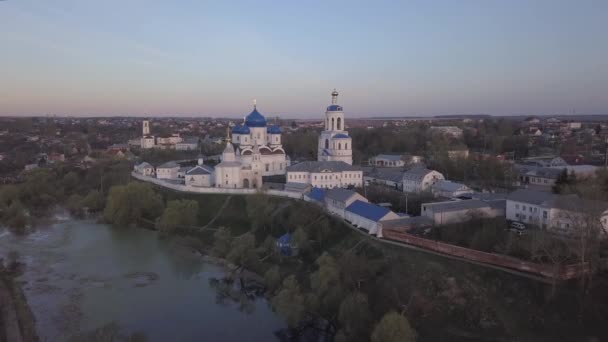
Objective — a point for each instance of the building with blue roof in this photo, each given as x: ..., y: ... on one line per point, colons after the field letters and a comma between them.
x: 253, y: 134
x: 334, y: 143
x: 368, y: 216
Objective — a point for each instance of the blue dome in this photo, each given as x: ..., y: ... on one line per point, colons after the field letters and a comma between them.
x: 334, y: 108
x: 255, y: 119
x: 274, y: 129
x: 341, y: 136
x: 240, y: 129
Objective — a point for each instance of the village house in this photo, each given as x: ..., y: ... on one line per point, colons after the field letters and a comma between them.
x: 325, y: 174
x: 387, y: 160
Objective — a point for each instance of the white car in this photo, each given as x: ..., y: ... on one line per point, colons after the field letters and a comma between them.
x: 518, y: 225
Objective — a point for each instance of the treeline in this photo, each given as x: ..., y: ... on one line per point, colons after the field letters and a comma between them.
x: 62, y: 185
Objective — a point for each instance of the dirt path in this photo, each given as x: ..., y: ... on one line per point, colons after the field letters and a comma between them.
x: 219, y: 212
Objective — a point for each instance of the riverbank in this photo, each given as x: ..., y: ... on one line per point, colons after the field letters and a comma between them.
x: 17, y: 323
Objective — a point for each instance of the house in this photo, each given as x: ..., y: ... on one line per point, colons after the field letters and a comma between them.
x: 145, y: 169
x: 420, y: 179
x: 368, y: 215
x: 325, y: 174
x: 337, y: 199
x: 560, y: 214
x: 450, y: 212
x: 387, y: 160
x: 540, y: 178
x: 549, y: 161
x: 285, y: 244
x: 57, y: 157
x: 168, y: 170
x: 201, y: 176
x: 449, y: 189
x: 458, y: 153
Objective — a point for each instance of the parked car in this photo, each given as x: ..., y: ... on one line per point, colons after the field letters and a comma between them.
x: 518, y: 225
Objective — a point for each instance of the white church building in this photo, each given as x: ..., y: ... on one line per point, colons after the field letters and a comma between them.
x: 255, y: 150
x: 334, y: 167
x: 335, y: 144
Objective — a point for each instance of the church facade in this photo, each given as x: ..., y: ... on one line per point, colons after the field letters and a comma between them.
x: 255, y: 150
x: 333, y: 168
x: 334, y: 143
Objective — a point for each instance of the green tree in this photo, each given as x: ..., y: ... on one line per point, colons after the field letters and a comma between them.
x: 94, y: 201
x: 178, y: 213
x: 74, y: 205
x: 15, y: 216
x: 242, y: 251
x: 222, y: 240
x: 393, y: 327
x: 354, y: 315
x: 127, y: 204
x: 290, y: 302
x: 272, y: 279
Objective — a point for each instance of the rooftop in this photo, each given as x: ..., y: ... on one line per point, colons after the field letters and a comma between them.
x: 322, y: 166
x: 340, y: 194
x: 368, y: 210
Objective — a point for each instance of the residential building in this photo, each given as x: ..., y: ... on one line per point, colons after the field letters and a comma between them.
x: 326, y: 174
x: 452, y: 131
x: 187, y: 144
x: 420, y: 179
x: 391, y: 177
x: 387, y: 160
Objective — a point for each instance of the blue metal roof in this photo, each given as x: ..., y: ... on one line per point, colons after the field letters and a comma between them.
x: 274, y: 129
x: 341, y: 136
x: 368, y: 210
x: 240, y: 129
x: 334, y: 108
x: 255, y: 119
x: 284, y: 244
x: 317, y: 194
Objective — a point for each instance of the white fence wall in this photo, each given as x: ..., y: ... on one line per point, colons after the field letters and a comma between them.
x: 213, y: 190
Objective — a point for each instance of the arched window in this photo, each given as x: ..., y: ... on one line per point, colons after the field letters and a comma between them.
x: 326, y: 143
x: 339, y: 144
x: 332, y: 124
x: 339, y: 123
x: 346, y: 146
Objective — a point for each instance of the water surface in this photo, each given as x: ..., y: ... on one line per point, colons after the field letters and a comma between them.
x: 81, y: 275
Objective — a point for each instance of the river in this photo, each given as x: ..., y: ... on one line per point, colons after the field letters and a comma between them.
x: 80, y: 275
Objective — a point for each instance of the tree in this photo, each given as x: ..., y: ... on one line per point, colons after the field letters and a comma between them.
x: 272, y: 279
x: 290, y: 302
x: 127, y: 204
x: 74, y: 205
x: 178, y: 213
x: 94, y: 201
x: 300, y: 239
x: 354, y: 315
x: 393, y: 327
x: 15, y: 216
x: 242, y: 251
x: 222, y: 239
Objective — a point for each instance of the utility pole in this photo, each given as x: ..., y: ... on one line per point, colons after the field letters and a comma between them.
x: 606, y: 155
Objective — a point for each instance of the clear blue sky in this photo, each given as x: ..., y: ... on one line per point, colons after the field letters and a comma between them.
x: 132, y: 57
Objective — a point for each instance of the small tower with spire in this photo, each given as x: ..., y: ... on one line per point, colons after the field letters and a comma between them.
x: 334, y: 97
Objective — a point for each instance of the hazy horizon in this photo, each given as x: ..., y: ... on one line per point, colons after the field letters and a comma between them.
x: 387, y: 59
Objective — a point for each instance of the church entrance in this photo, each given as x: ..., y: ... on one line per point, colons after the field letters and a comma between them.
x: 245, y: 183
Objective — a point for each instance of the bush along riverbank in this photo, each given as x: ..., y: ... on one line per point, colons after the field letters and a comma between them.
x: 335, y: 283
x: 17, y: 322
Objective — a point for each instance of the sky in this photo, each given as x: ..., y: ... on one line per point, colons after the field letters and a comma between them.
x: 386, y: 58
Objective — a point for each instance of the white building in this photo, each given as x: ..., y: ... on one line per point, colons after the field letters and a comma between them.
x: 200, y: 176
x: 145, y: 169
x: 255, y: 131
x: 449, y: 189
x: 451, y: 131
x: 168, y: 170
x: 189, y: 144
x: 451, y: 212
x: 420, y: 179
x: 334, y: 143
x: 561, y: 214
x: 325, y: 174
x: 368, y: 216
x: 337, y: 199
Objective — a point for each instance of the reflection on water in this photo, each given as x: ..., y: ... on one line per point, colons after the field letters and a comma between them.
x: 81, y: 276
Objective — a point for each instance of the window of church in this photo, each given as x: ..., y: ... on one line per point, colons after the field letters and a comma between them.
x: 267, y: 167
